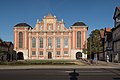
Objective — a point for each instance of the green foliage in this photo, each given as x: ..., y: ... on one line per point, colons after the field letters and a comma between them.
x: 94, y: 42
x: 1, y: 39
x: 39, y: 62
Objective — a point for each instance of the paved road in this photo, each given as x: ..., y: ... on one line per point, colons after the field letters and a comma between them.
x: 60, y: 74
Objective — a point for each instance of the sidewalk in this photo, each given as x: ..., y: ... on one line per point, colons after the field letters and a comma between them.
x: 100, y: 64
x: 108, y: 63
x: 7, y: 67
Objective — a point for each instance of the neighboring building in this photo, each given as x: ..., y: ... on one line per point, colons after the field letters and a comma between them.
x: 108, y: 44
x: 6, y: 50
x: 10, y: 46
x: 3, y: 47
x: 50, y: 39
x: 102, y: 54
x: 116, y: 34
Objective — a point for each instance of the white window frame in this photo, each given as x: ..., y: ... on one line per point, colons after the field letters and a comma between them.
x: 66, y: 43
x: 58, y: 42
x: 33, y: 53
x: 33, y: 42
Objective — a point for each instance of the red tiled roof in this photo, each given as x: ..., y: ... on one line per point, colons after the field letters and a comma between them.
x: 79, y: 24
x: 5, y: 44
x: 108, y: 29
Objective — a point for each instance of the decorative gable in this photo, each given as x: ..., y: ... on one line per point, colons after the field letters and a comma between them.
x: 117, y: 12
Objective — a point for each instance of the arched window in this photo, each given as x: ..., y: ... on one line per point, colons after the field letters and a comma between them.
x: 33, y: 42
x: 41, y: 42
x: 57, y: 42
x: 50, y: 42
x: 20, y: 40
x: 78, y: 39
x: 66, y: 42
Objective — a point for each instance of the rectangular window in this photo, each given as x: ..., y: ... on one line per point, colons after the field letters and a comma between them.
x: 41, y: 42
x: 65, y: 52
x: 58, y: 42
x: 33, y: 42
x: 41, y: 53
x: 66, y: 42
x: 33, y: 52
x: 58, y: 53
x: 49, y: 42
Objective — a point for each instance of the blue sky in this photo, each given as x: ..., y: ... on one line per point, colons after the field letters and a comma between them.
x: 96, y: 14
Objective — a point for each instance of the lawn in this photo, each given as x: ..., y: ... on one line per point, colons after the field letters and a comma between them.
x: 43, y: 62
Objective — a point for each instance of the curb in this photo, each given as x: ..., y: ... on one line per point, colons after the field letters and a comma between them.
x: 35, y: 67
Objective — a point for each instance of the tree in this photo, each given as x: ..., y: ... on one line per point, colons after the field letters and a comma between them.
x: 94, y: 42
x: 0, y: 43
x: 1, y: 40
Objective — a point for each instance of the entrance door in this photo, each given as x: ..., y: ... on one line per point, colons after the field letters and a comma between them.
x: 49, y: 55
x: 78, y: 55
x: 20, y: 56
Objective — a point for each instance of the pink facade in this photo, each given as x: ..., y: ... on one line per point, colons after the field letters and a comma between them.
x: 50, y: 39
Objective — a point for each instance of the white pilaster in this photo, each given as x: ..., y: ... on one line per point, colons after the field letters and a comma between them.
x: 37, y: 46
x: 44, y: 42
x: 69, y: 44
x: 44, y: 24
x: 54, y: 46
x: 54, y: 25
x: 25, y: 39
x: 74, y: 38
x: 29, y: 54
x: 61, y: 45
x: 15, y: 41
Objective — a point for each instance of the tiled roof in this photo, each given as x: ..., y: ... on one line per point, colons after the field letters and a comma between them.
x: 79, y: 24
x: 3, y: 44
x: 22, y: 25
x: 108, y: 29
x: 6, y: 44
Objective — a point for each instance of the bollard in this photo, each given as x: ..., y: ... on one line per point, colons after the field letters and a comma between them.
x: 73, y: 75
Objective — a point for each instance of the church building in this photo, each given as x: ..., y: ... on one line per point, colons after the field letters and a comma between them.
x: 50, y: 39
